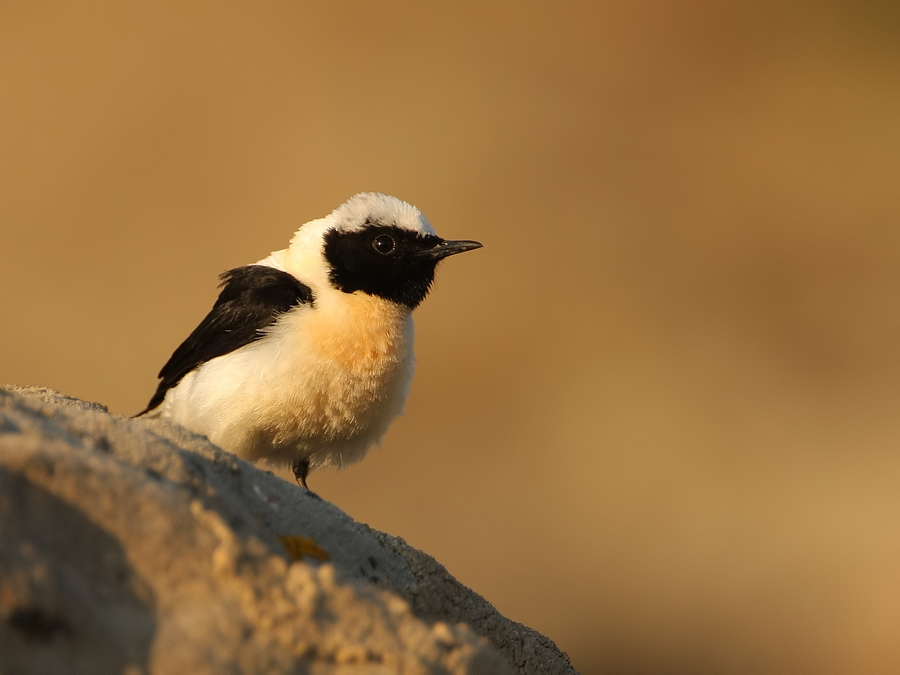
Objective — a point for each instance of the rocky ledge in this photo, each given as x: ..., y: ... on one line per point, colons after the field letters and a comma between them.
x: 134, y: 546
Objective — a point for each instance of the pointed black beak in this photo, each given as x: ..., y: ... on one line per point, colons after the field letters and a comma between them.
x: 450, y: 247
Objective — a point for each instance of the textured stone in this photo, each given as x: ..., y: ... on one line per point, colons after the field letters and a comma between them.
x: 135, y: 546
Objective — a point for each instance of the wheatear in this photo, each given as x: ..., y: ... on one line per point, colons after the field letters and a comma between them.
x: 307, y: 356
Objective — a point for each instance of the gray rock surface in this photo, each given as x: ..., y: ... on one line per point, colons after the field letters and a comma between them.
x: 134, y: 546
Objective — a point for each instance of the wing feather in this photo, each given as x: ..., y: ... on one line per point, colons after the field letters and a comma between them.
x: 252, y: 298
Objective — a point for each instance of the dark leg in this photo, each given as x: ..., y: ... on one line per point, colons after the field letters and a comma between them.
x: 301, y: 471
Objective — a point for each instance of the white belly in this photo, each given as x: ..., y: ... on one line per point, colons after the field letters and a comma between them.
x: 324, y: 384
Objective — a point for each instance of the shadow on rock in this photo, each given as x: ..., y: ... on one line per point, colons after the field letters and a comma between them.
x: 70, y: 602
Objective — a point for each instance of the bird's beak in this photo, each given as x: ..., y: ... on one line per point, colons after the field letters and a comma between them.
x: 450, y: 247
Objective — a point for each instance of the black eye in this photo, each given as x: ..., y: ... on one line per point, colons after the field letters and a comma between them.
x: 384, y: 244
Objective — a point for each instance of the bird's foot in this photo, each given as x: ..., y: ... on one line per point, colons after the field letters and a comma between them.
x: 301, y: 471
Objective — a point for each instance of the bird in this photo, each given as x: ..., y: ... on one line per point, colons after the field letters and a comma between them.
x: 306, y: 357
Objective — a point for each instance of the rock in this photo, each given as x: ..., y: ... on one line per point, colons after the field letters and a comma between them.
x: 134, y: 546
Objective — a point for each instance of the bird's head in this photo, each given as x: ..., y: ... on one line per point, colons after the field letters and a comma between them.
x: 379, y: 245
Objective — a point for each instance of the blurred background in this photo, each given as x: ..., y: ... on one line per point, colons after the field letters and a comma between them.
x: 656, y: 417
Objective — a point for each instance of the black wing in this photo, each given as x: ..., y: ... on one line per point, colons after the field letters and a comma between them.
x: 252, y: 298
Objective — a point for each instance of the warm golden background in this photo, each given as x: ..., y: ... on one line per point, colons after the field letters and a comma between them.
x: 656, y: 417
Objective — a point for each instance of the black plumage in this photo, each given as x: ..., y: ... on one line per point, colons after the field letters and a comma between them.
x: 383, y: 260
x: 252, y: 298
